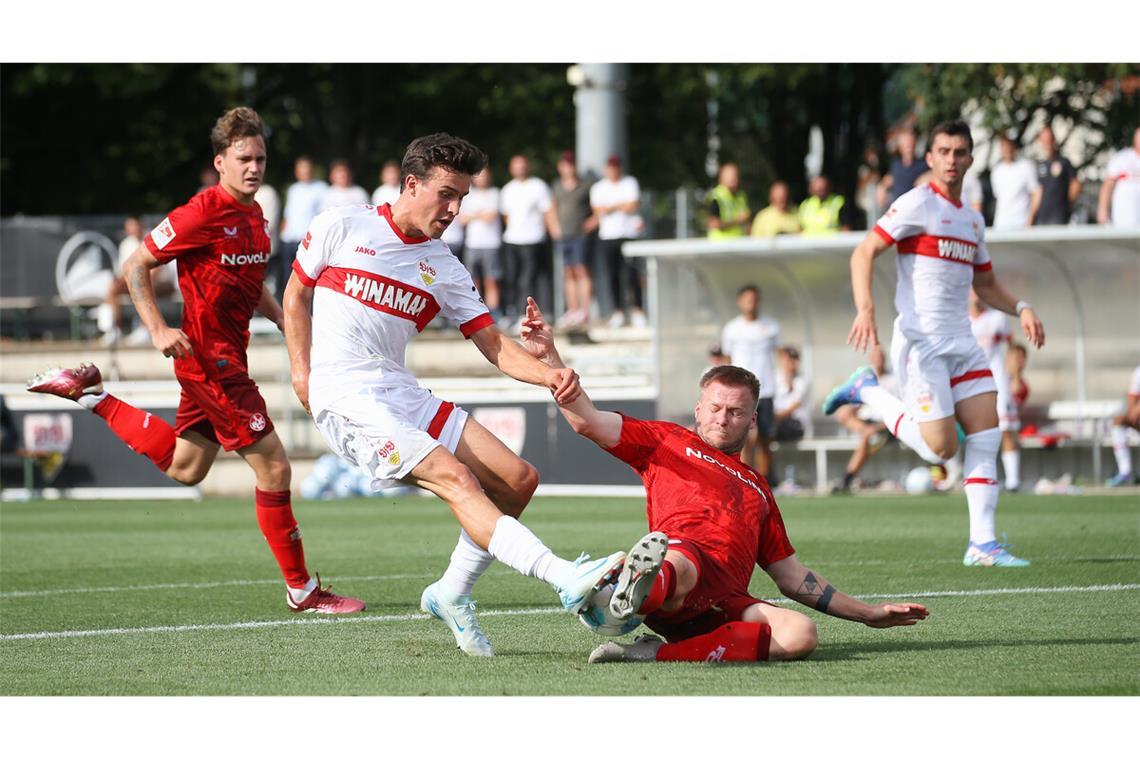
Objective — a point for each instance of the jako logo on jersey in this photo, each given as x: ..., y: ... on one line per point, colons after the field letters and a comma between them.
x: 691, y: 452
x: 305, y: 242
x: 427, y: 274
x: 257, y: 422
x: 241, y: 259
x: 388, y: 451
x: 366, y: 251
x: 958, y: 250
x: 230, y: 231
x: 384, y: 294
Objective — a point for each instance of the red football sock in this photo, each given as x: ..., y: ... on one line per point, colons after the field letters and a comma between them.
x: 663, y: 587
x: 275, y: 518
x: 732, y: 642
x: 143, y: 432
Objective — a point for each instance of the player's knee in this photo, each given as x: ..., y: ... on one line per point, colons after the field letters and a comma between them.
x: 280, y: 472
x: 803, y: 638
x: 458, y: 479
x: 190, y: 475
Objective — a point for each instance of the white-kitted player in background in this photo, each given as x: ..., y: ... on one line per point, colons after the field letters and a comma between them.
x: 991, y: 329
x: 943, y: 374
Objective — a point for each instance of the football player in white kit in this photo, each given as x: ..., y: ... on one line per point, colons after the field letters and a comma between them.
x: 943, y: 374
x: 1120, y: 424
x: 372, y: 278
x: 991, y: 329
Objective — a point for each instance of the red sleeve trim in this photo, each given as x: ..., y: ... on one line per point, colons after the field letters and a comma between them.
x: 983, y: 267
x: 305, y: 279
x: 886, y: 236
x: 475, y: 325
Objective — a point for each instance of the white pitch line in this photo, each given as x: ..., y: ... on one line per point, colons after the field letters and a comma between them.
x: 504, y: 613
x: 191, y: 586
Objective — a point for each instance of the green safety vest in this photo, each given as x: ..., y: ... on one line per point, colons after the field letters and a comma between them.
x: 731, y: 206
x: 820, y: 217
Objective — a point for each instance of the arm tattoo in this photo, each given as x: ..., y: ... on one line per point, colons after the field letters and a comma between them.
x: 810, y: 592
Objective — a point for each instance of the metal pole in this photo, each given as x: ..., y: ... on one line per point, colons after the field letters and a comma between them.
x: 599, y: 102
x: 681, y: 207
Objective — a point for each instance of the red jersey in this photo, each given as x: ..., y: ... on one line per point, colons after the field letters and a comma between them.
x: 222, y: 248
x: 697, y: 492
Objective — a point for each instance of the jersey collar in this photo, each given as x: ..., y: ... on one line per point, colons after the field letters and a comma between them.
x: 386, y: 212
x: 937, y: 191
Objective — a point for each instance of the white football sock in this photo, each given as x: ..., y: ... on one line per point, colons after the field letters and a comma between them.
x: 299, y: 595
x: 902, y: 425
x: 513, y: 544
x: 468, y: 563
x: 90, y: 400
x: 1011, y: 463
x: 981, y: 483
x: 1120, y: 449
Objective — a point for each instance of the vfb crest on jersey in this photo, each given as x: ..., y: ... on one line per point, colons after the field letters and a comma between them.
x: 389, y: 452
x: 427, y: 273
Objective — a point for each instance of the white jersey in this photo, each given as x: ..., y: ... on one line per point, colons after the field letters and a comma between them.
x: 1124, y: 167
x: 1134, y: 385
x: 375, y: 290
x: 941, y: 244
x: 751, y: 344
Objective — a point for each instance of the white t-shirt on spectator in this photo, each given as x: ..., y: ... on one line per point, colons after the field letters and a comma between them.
x: 524, y: 204
x: 344, y: 196
x: 786, y: 395
x: 270, y: 202
x: 972, y: 194
x: 1013, y: 186
x: 453, y: 235
x: 385, y: 194
x: 302, y: 203
x: 1124, y: 167
x: 617, y: 225
x: 751, y: 344
x: 482, y: 234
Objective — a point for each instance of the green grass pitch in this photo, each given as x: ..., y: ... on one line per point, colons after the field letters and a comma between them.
x: 182, y: 598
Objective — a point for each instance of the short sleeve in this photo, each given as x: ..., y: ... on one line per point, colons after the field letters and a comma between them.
x: 774, y: 544
x: 462, y: 303
x: 544, y: 197
x: 314, y: 253
x: 982, y: 261
x: 905, y: 218
x: 639, y: 439
x: 1115, y: 166
x: 183, y: 231
x: 634, y: 189
x: 726, y: 340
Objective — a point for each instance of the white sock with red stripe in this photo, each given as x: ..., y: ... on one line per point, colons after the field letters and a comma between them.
x: 981, y: 483
x: 513, y: 544
x: 1011, y: 463
x: 468, y: 563
x: 902, y: 425
x: 1120, y: 449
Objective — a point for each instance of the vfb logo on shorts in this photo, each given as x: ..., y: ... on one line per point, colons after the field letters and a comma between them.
x: 924, y: 400
x: 257, y: 422
x: 427, y: 273
x: 388, y: 451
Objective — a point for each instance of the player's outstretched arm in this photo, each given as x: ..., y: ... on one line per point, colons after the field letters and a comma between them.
x: 863, y: 334
x: 513, y: 360
x: 297, y: 308
x: 603, y: 428
x: 169, y: 340
x: 800, y: 583
x: 991, y: 292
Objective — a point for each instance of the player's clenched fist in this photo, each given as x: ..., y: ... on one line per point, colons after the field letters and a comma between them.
x: 172, y: 342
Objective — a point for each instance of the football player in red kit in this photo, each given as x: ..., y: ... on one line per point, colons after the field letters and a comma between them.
x: 220, y: 242
x: 721, y: 520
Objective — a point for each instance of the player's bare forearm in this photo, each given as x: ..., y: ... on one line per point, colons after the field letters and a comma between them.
x: 268, y: 307
x: 863, y: 334
x: 802, y: 584
x: 298, y: 335
x: 992, y: 292
x: 136, y: 272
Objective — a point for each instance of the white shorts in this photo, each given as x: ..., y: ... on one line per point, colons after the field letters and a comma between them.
x: 386, y: 432
x: 935, y: 373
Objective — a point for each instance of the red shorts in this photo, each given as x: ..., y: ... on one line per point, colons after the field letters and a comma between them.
x: 718, y: 598
x: 229, y: 411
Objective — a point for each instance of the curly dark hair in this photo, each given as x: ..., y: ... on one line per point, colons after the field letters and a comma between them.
x: 233, y: 125
x: 441, y: 149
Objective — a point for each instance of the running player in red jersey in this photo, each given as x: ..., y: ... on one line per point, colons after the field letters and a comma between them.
x: 721, y: 520
x: 220, y: 241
